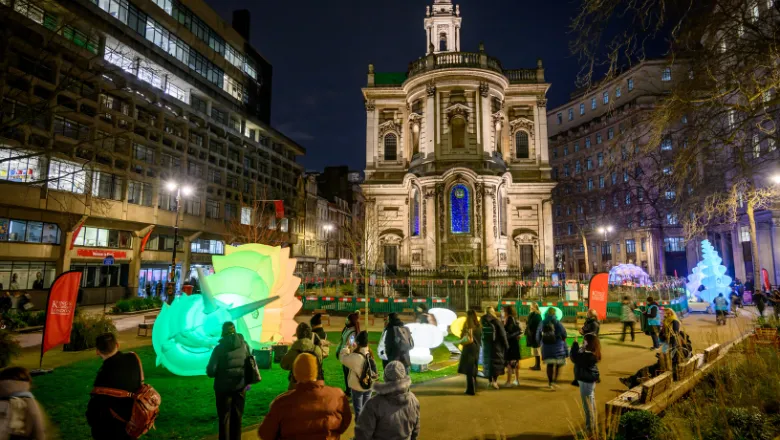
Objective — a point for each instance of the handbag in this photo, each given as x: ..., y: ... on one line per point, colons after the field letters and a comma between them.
x: 251, y: 372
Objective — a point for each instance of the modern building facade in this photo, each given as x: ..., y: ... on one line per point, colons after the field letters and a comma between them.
x: 106, y: 102
x: 457, y: 171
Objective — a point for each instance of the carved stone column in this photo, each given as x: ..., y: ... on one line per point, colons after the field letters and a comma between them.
x: 371, y: 144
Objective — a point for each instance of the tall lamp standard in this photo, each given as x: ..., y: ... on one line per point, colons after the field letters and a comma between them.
x: 180, y: 189
x: 605, y: 230
x: 327, y: 228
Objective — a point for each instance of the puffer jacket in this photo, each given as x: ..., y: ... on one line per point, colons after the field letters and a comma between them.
x: 627, y: 312
x: 226, y: 364
x: 28, y: 415
x: 312, y: 411
x: 298, y: 347
x: 591, y: 326
x: 393, y: 413
x: 557, y: 350
x: 585, y: 364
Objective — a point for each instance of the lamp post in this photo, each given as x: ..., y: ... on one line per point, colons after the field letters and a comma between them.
x: 186, y: 190
x: 327, y: 228
x: 606, y: 230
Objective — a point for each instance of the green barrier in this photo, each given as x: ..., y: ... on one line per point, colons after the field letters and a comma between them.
x: 441, y: 303
x: 330, y: 303
x: 345, y: 304
x: 614, y: 310
x: 381, y: 305
x: 399, y: 304
x: 311, y: 303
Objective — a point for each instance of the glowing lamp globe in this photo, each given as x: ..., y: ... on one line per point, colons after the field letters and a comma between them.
x: 444, y: 317
x: 456, y: 328
x: 426, y: 336
x: 558, y: 312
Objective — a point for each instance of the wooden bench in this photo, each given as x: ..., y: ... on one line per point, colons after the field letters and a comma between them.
x: 711, y: 353
x: 686, y: 369
x: 652, y: 388
x: 147, y: 325
x: 324, y: 314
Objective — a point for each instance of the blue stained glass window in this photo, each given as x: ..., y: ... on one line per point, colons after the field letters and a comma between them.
x: 459, y: 210
x: 416, y: 214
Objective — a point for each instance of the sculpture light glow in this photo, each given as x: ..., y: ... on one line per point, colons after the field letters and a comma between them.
x: 558, y: 312
x: 629, y: 273
x: 444, y: 317
x: 711, y: 274
x: 426, y: 336
x: 252, y: 286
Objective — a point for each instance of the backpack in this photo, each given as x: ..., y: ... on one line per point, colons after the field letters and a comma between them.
x: 13, y: 415
x: 548, y: 334
x: 685, y: 345
x: 403, y: 339
x: 146, y: 405
x: 369, y: 374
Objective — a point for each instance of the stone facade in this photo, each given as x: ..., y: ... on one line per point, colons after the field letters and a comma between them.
x: 457, y: 168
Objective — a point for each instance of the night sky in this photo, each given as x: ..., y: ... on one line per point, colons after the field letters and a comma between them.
x: 320, y: 52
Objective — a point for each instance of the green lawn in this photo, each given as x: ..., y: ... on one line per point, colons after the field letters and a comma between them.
x: 187, y: 409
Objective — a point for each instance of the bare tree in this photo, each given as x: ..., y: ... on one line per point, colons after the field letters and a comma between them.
x: 258, y: 222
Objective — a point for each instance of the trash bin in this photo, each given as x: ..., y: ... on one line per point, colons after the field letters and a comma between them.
x: 263, y: 358
x: 279, y: 351
x: 642, y: 319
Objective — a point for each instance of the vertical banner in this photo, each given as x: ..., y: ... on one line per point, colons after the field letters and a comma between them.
x: 146, y: 239
x: 76, y: 233
x: 60, y: 308
x: 597, y: 294
x: 279, y: 208
x: 765, y: 276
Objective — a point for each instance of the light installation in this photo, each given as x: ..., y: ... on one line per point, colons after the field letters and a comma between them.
x: 558, y: 312
x: 711, y: 274
x: 629, y: 274
x: 444, y: 317
x: 426, y: 337
x: 459, y: 209
x: 253, y: 286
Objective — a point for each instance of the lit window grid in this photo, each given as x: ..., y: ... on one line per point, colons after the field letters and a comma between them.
x: 460, y: 210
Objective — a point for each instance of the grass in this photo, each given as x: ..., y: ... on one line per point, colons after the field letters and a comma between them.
x: 187, y: 409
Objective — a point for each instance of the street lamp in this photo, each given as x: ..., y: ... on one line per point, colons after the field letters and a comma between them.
x: 606, y: 230
x: 776, y: 179
x: 327, y: 228
x: 180, y: 189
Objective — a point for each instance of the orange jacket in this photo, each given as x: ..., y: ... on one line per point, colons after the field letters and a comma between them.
x: 312, y: 411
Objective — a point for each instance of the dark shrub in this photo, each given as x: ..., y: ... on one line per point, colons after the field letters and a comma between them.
x: 9, y: 348
x: 639, y: 425
x: 86, y: 328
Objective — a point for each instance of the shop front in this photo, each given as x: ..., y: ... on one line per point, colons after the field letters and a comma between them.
x: 102, y: 283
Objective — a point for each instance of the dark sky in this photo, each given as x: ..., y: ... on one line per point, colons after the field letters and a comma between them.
x: 320, y: 52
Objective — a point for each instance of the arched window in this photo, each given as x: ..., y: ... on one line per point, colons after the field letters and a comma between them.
x: 442, y: 42
x: 502, y: 214
x: 391, y: 145
x: 521, y: 145
x: 458, y: 132
x: 415, y: 211
x: 460, y: 218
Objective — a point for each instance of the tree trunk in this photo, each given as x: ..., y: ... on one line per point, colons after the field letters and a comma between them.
x: 466, y: 285
x: 585, y: 245
x: 757, y: 283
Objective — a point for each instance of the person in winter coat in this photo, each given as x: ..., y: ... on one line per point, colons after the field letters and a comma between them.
x: 226, y: 366
x: 512, y: 355
x: 394, y: 411
x: 552, y: 335
x: 494, y: 345
x: 775, y: 300
x: 355, y: 358
x: 392, y: 350
x: 311, y: 411
x: 23, y: 417
x: 120, y: 371
x: 320, y: 336
x: 759, y: 299
x: 303, y: 344
x: 653, y: 315
x: 721, y: 309
x: 591, y: 323
x: 471, y: 340
x: 531, y: 328
x: 586, y: 372
x: 627, y: 317
x: 348, y: 335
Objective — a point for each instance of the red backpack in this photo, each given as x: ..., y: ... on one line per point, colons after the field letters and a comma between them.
x: 146, y: 405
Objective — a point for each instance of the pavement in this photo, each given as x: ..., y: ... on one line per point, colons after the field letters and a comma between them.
x: 532, y: 410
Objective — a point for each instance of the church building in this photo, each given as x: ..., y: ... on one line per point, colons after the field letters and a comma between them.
x: 457, y: 169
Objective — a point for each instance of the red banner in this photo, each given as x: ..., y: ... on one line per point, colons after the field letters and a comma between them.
x: 279, y: 208
x: 765, y: 276
x: 59, y: 310
x: 597, y: 294
x: 75, y: 234
x: 101, y: 253
x: 146, y: 238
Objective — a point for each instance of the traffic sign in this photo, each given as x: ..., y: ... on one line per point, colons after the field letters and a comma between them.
x: 108, y: 261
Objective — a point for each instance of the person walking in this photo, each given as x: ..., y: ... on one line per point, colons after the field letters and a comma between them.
x: 494, y: 345
x: 471, y: 340
x: 759, y: 299
x: 121, y: 371
x: 552, y: 335
x: 775, y: 300
x: 512, y: 355
x: 627, y: 317
x: 586, y: 372
x: 394, y: 411
x: 304, y: 343
x: 19, y: 411
x: 397, y: 341
x: 653, y: 321
x: 348, y: 335
x: 359, y: 360
x: 721, y: 307
x: 226, y: 365
x: 531, y: 327
x: 591, y: 323
x: 310, y: 411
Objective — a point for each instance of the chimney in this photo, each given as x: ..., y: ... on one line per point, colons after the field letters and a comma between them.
x: 241, y: 20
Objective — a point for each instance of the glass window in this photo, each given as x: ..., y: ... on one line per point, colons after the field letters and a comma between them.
x: 587, y: 142
x: 415, y: 218
x: 610, y: 133
x: 107, y: 186
x: 666, y: 74
x: 212, y: 208
x: 605, y: 97
x: 571, y: 114
x: 560, y: 118
x: 593, y: 103
x: 17, y: 230
x: 65, y: 176
x: 521, y: 145
x: 630, y: 84
x: 192, y: 205
x: 666, y: 144
x: 502, y: 212
x: 51, y: 233
x: 34, y: 232
x: 598, y: 138
x: 617, y: 92
x: 674, y: 244
x: 460, y: 210
x: 390, y: 145
x: 582, y: 108
x: 139, y: 193
x: 16, y: 166
x: 601, y: 181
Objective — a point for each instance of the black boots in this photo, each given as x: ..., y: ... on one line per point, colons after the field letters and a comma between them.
x: 537, y: 366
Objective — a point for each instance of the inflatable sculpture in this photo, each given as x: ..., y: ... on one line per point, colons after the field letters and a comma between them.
x: 252, y: 286
x: 444, y: 317
x: 426, y: 337
x: 712, y: 275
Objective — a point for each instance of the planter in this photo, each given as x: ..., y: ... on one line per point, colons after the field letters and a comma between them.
x: 766, y: 334
x: 138, y: 312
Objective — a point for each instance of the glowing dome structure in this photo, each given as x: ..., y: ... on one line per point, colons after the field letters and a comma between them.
x: 426, y: 337
x: 629, y: 274
x: 252, y: 286
x: 444, y: 317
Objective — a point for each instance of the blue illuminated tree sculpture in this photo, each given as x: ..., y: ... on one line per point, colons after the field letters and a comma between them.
x: 713, y: 274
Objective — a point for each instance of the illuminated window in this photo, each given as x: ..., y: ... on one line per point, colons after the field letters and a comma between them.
x: 415, y: 218
x: 460, y: 210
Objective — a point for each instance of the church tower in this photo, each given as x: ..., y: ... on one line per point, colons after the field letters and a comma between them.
x: 442, y: 26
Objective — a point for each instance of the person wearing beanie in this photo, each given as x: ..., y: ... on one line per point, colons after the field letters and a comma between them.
x: 226, y: 366
x: 348, y: 335
x: 355, y: 358
x: 394, y: 411
x: 311, y: 410
x: 320, y: 336
x: 303, y: 344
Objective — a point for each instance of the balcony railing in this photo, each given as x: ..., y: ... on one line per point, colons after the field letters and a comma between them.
x: 479, y: 60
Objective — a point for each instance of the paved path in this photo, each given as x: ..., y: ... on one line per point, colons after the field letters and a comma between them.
x: 532, y: 411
